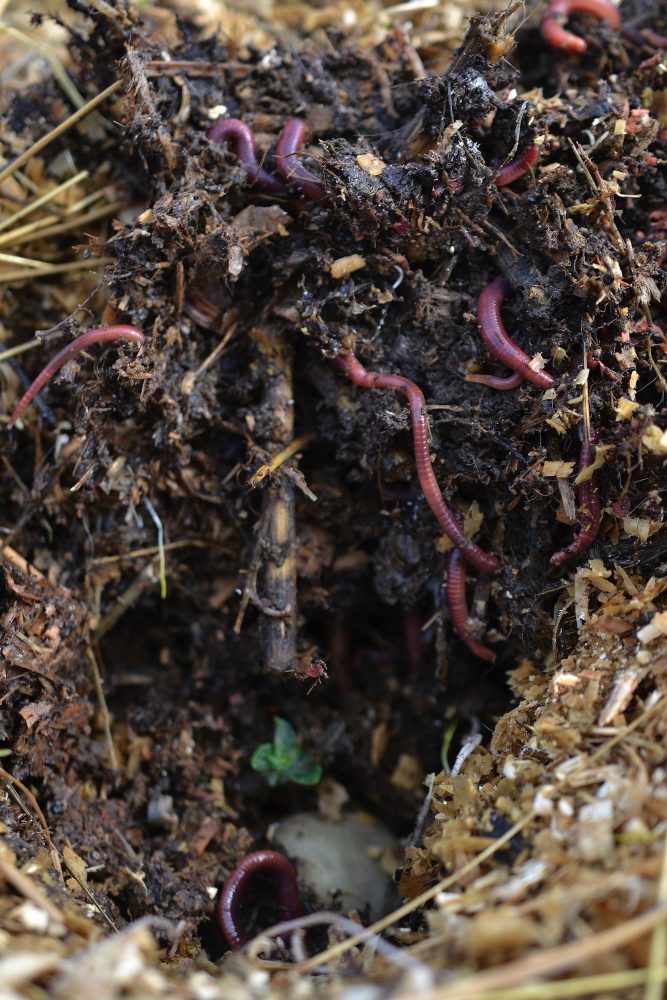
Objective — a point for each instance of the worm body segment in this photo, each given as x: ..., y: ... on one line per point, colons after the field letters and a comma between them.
x: 517, y: 167
x: 290, y: 167
x: 588, y: 505
x: 429, y: 484
x: 241, y: 139
x: 458, y: 608
x: 232, y: 894
x: 497, y: 381
x: 558, y: 12
x: 653, y: 38
x: 99, y: 335
x: 497, y: 340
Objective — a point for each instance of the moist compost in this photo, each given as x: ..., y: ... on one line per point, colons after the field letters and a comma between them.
x: 142, y: 544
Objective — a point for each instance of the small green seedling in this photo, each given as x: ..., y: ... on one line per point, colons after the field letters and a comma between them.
x: 284, y: 760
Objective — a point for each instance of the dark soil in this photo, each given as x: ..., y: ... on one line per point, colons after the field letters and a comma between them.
x: 192, y: 683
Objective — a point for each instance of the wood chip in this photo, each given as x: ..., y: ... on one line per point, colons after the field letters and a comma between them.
x: 655, y: 439
x: 621, y: 695
x: 656, y: 628
x: 641, y: 527
x: 601, y: 452
x: 625, y: 408
x: 561, y: 470
x: 344, y: 266
x: 373, y: 165
x: 595, y: 836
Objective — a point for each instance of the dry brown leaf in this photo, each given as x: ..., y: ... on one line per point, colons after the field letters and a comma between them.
x: 35, y: 711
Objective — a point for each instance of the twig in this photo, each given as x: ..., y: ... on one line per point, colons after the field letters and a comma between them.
x: 12, y: 258
x: 193, y: 67
x: 38, y: 146
x: 73, y: 265
x: 11, y: 352
x: 279, y: 576
x: 654, y: 365
x: 188, y: 383
x: 34, y: 804
x: 129, y: 597
x: 84, y: 888
x: 658, y: 951
x: 468, y: 745
x: 604, y: 984
x: 104, y: 709
x: 43, y: 199
x: 51, y: 58
x: 283, y: 456
x: 21, y: 563
x: 45, y: 228
x: 600, y: 188
x: 551, y: 961
x: 153, y: 550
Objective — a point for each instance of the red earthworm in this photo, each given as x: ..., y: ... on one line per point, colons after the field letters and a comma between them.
x: 588, y: 505
x: 429, y: 484
x: 288, y: 164
x: 458, y: 608
x: 653, y: 38
x: 634, y: 35
x: 517, y: 167
x: 497, y: 381
x: 558, y: 12
x: 645, y: 37
x: 496, y: 339
x: 97, y: 336
x: 621, y: 507
x: 402, y: 227
x: 232, y: 895
x: 593, y: 362
x: 242, y: 141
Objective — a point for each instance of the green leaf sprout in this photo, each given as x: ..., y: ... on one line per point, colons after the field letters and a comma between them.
x: 284, y: 760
